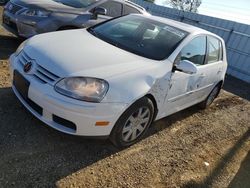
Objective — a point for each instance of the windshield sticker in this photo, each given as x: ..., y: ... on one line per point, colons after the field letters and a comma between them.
x: 175, y: 31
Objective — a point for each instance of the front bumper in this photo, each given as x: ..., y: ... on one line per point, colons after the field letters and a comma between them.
x: 58, y: 110
x: 25, y: 26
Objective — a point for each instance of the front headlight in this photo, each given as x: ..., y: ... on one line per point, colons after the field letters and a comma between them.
x: 21, y: 47
x: 38, y: 13
x: 83, y: 88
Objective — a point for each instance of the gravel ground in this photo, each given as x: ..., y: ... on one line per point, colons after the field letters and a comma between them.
x: 192, y: 148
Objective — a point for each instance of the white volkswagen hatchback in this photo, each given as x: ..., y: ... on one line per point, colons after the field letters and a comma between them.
x: 116, y: 78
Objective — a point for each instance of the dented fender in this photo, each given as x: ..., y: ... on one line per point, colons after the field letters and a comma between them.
x: 129, y: 87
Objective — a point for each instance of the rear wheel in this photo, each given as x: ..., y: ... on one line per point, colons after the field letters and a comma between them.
x: 133, y: 123
x: 213, y: 94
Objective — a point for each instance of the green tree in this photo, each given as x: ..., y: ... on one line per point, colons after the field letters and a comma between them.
x: 185, y: 5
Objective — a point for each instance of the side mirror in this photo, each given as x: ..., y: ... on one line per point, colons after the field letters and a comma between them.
x: 99, y: 11
x: 186, y: 67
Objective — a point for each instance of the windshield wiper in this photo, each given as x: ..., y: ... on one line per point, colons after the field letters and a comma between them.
x: 92, y: 31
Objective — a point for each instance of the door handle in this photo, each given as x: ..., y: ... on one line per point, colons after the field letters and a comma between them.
x: 202, y: 75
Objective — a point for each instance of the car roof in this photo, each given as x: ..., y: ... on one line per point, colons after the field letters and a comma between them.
x: 180, y: 25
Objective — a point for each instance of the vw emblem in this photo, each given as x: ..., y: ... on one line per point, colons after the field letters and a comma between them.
x: 27, y: 67
x: 10, y: 7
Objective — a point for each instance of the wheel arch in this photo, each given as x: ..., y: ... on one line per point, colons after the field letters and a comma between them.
x: 152, y: 98
x: 220, y: 83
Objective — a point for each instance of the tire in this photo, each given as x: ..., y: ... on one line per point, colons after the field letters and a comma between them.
x: 213, y: 94
x: 133, y: 123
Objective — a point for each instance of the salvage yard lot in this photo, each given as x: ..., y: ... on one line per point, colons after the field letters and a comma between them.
x: 192, y: 148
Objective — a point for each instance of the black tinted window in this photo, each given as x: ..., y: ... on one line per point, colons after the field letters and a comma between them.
x: 195, y: 51
x: 140, y: 35
x: 214, y: 50
x: 130, y: 10
x: 114, y: 9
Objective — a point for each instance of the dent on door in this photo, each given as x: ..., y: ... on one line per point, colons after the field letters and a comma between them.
x: 160, y: 89
x: 185, y: 90
x: 195, y: 82
x: 180, y: 84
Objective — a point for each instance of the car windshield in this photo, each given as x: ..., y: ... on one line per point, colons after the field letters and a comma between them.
x: 140, y: 35
x: 77, y: 3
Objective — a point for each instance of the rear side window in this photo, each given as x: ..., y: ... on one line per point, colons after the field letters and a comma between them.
x: 195, y: 51
x: 114, y: 9
x: 130, y: 10
x: 214, y: 50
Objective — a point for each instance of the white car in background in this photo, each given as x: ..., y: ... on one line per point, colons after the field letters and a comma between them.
x: 114, y: 79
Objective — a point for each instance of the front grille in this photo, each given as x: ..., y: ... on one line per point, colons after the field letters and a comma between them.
x: 22, y: 87
x: 40, y: 73
x: 21, y: 84
x: 13, y: 8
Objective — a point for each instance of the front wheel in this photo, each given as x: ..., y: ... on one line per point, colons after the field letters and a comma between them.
x: 133, y: 123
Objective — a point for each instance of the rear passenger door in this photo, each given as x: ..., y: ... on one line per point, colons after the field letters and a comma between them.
x: 214, y: 61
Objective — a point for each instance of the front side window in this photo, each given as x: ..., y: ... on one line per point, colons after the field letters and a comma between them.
x: 130, y: 10
x: 140, y: 35
x: 214, y: 50
x: 114, y: 9
x: 195, y: 51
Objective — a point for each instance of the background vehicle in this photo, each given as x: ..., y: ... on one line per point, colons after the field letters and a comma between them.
x: 27, y: 18
x: 149, y: 67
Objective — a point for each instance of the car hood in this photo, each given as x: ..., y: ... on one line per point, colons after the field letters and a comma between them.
x: 48, y: 5
x: 79, y: 53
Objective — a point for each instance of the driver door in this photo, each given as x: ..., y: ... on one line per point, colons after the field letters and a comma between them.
x: 188, y: 89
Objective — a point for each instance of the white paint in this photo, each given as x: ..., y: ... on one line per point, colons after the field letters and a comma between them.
x: 130, y: 77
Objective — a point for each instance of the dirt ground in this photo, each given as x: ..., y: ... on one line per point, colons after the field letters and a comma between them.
x: 192, y: 148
